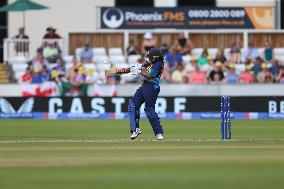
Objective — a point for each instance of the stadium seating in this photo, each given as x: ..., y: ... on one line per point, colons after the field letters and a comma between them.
x: 102, y: 77
x: 68, y: 66
x: 20, y: 67
x: 242, y: 57
x: 90, y: 66
x: 78, y: 51
x: 19, y: 70
x: 279, y: 53
x: 122, y: 65
x: 18, y: 75
x: 99, y: 51
x: 197, y: 52
x: 260, y: 51
x: 103, y: 61
x: 115, y: 52
x: 189, y: 68
x: 117, y: 59
x: 240, y: 68
x: 212, y: 52
x: 132, y: 59
x: 227, y: 52
x: 68, y: 58
x: 100, y: 59
x: 205, y: 67
x: 102, y: 67
x: 186, y: 59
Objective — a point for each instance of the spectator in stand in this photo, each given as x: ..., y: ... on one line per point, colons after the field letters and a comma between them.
x: 189, y: 66
x: 164, y: 48
x: 147, y: 43
x: 173, y: 57
x: 45, y: 74
x: 280, y: 77
x: 248, y: 62
x: 21, y: 46
x: 246, y: 77
x: 197, y: 76
x: 251, y: 52
x: 37, y: 77
x: 178, y: 75
x: 37, y: 56
x: 275, y: 68
x: 264, y: 76
x: 91, y: 76
x: 220, y: 57
x: 38, y: 62
x: 235, y: 53
x: 58, y: 72
x: 59, y: 68
x: 75, y: 65
x: 132, y: 48
x: 216, y: 75
x: 50, y: 52
x: 28, y: 75
x: 76, y: 80
x: 257, y: 66
x: 51, y: 33
x: 87, y: 53
x: 183, y: 44
x: 231, y: 77
x: 166, y: 74
x: 203, y: 60
x: 267, y: 55
x: 80, y: 75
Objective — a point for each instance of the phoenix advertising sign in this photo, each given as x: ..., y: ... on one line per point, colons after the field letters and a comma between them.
x: 187, y: 18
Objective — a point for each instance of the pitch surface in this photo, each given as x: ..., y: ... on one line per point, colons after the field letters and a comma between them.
x: 97, y: 154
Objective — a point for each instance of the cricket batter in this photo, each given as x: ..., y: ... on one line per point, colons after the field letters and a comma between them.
x: 147, y: 93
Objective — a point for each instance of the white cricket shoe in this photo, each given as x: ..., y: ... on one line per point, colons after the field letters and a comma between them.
x: 160, y: 136
x: 135, y: 134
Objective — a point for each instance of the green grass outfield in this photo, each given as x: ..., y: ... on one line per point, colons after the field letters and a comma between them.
x: 88, y: 154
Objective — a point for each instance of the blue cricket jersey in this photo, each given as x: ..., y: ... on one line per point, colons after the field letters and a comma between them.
x: 155, y: 71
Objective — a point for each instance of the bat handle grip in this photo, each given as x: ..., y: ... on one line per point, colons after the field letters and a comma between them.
x: 123, y: 70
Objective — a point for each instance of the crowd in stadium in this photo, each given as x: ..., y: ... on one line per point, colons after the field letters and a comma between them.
x: 181, y: 65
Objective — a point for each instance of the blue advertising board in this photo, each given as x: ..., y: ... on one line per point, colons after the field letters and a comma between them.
x: 116, y: 107
x: 187, y: 18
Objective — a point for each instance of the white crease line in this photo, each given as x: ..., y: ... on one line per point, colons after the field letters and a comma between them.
x: 127, y: 140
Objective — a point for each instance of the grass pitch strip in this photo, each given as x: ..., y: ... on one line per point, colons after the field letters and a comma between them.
x: 98, y: 154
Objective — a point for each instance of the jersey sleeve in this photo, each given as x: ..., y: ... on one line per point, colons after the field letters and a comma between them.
x: 156, y: 69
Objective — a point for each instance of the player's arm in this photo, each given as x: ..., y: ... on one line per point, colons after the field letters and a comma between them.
x: 146, y: 74
x: 145, y: 64
x: 154, y: 72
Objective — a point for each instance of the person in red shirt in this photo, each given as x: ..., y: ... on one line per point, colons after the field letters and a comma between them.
x: 28, y: 75
x: 197, y: 76
x: 246, y: 77
x: 51, y: 33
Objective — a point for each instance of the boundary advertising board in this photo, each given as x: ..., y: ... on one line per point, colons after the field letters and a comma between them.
x: 116, y: 107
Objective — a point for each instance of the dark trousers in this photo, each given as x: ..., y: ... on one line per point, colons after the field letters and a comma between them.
x: 148, y: 95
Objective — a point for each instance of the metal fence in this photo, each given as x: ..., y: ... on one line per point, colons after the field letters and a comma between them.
x: 24, y: 49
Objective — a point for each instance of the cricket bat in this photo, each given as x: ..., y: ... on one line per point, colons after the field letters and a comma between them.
x: 116, y: 71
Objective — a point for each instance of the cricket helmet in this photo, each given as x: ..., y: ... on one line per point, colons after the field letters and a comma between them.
x: 154, y: 55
